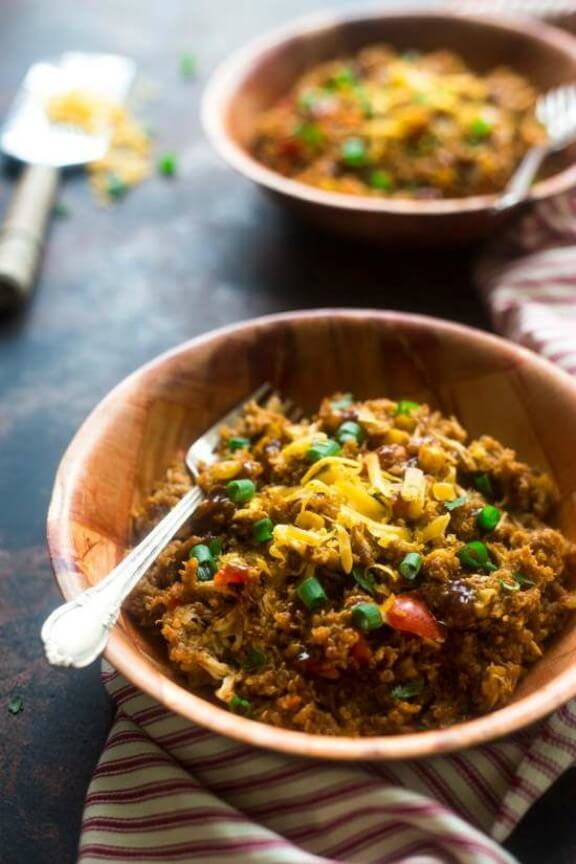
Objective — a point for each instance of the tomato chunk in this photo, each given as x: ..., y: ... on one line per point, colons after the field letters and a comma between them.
x: 231, y: 574
x: 411, y: 615
x: 361, y: 651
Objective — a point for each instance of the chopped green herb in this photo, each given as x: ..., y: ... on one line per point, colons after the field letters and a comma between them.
x: 474, y: 555
x: 509, y: 586
x: 407, y: 691
x: 167, y: 164
x: 240, y: 706
x: 16, y: 704
x: 410, y: 566
x: 255, y: 659
x: 366, y: 617
x: 115, y: 186
x: 310, y: 134
x: 262, y: 530
x: 311, y: 593
x: 354, y: 153
x: 349, y: 431
x: 322, y: 449
x: 341, y: 404
x: 456, y: 502
x: 60, y: 210
x: 188, y: 65
x: 480, y: 128
x: 365, y: 580
x: 344, y: 77
x: 241, y: 491
x: 405, y: 406
x: 488, y: 518
x: 483, y: 484
x: 215, y: 546
x: 238, y: 443
x: 381, y: 180
x: 523, y: 580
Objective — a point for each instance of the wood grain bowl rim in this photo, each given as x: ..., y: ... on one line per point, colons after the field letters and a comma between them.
x: 125, y: 657
x: 224, y: 83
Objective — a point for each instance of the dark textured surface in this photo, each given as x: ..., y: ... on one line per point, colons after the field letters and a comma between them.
x: 177, y: 257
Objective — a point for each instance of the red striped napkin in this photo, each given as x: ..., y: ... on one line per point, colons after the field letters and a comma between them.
x: 165, y: 790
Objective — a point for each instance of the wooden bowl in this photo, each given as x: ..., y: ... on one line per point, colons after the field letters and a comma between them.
x: 256, y: 77
x: 131, y: 437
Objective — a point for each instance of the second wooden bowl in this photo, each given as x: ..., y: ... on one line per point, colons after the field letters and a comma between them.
x: 257, y: 76
x: 129, y: 440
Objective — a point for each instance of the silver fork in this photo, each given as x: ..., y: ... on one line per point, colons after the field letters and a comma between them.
x: 76, y: 633
x: 556, y: 110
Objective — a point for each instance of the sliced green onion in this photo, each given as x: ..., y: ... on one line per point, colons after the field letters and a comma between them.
x: 238, y: 443
x: 475, y: 555
x: 354, y: 153
x: 167, y: 164
x: 341, y: 404
x: 407, y: 691
x: 381, y: 180
x: 215, y: 546
x: 344, y: 77
x: 322, y: 449
x: 262, y: 530
x: 349, y: 431
x: 187, y: 65
x: 456, y: 502
x: 366, y: 617
x: 309, y: 134
x: 206, y: 563
x: 509, y: 586
x: 239, y: 705
x: 488, y: 518
x: 405, y: 406
x: 115, y: 186
x: 311, y: 593
x: 204, y: 572
x: 480, y: 128
x: 483, y: 484
x: 365, y: 580
x: 523, y: 580
x: 410, y: 566
x: 241, y: 491
x: 255, y: 659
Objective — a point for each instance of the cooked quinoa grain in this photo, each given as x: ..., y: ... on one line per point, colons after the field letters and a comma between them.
x: 400, y: 580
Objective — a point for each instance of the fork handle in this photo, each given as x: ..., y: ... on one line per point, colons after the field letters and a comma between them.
x: 23, y: 231
x: 76, y: 633
x: 519, y: 185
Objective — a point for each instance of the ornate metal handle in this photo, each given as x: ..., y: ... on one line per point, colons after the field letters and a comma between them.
x: 519, y: 185
x: 76, y: 633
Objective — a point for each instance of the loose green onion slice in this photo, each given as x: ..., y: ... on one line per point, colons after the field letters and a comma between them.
x: 240, y: 491
x: 239, y: 705
x: 354, y: 153
x: 215, y: 546
x: 204, y: 572
x: 488, y: 518
x: 187, y: 65
x: 366, y: 617
x: 349, y: 431
x: 365, y: 580
x: 456, y: 502
x: 255, y: 659
x: 344, y: 77
x: 523, y: 580
x: 311, y: 593
x: 410, y: 566
x: 483, y: 484
x: 206, y: 564
x: 262, y: 530
x: 167, y: 164
x: 115, y: 186
x: 341, y: 404
x: 322, y: 449
x: 405, y: 406
x: 381, y: 180
x: 509, y: 586
x: 309, y: 134
x: 238, y: 443
x: 475, y: 555
x: 407, y: 691
x: 480, y: 128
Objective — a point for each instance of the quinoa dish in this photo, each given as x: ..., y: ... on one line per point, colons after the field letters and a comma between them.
x: 401, y: 125
x: 365, y: 571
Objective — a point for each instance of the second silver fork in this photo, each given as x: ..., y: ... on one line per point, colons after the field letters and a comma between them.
x: 76, y: 633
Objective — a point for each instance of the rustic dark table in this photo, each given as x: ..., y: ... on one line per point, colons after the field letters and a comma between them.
x: 175, y: 258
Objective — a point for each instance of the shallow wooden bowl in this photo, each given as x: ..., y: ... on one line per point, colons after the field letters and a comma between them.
x: 256, y: 77
x: 130, y: 438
